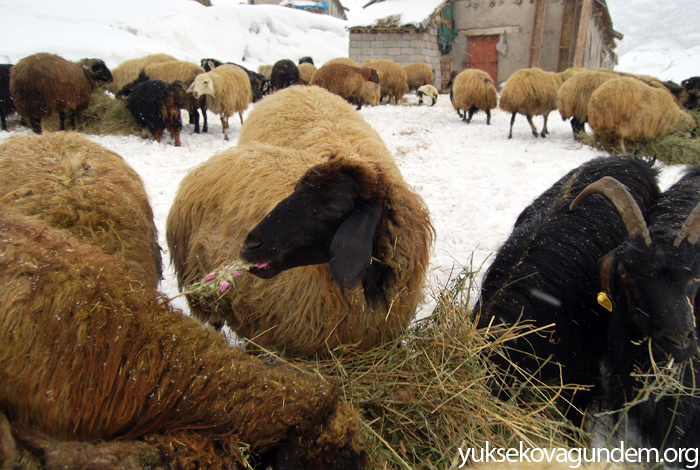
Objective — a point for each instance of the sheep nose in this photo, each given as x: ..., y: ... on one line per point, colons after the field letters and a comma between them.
x: 250, y: 244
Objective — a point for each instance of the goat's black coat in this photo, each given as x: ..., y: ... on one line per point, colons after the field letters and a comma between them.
x: 148, y: 99
x: 259, y: 85
x: 669, y: 421
x: 546, y: 272
x: 7, y: 105
x: 284, y: 73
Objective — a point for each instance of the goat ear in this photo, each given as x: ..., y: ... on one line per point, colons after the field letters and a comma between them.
x: 351, y: 247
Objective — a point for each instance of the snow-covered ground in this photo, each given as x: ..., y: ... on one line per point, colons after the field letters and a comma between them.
x: 474, y: 180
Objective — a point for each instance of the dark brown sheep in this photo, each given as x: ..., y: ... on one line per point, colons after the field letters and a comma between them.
x: 90, y: 354
x: 344, y: 80
x: 43, y: 84
x: 72, y: 183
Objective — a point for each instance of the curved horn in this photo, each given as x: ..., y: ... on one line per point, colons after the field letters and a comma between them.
x: 624, y: 203
x: 690, y: 229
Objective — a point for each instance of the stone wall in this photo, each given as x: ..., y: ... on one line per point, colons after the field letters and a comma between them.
x: 402, y: 47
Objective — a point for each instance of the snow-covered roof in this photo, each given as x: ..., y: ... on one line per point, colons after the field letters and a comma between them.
x: 396, y: 13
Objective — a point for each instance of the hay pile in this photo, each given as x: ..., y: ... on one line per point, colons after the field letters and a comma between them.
x: 428, y: 395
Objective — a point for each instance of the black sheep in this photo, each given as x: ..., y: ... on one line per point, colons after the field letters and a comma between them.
x: 155, y: 105
x: 689, y: 99
x: 259, y: 85
x: 7, y: 105
x: 285, y: 73
x: 652, y: 283
x: 546, y: 272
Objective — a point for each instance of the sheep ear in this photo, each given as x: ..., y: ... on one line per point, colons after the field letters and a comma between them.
x: 191, y: 88
x: 351, y: 248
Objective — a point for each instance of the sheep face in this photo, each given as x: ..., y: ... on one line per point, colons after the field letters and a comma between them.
x: 330, y: 217
x: 653, y: 291
x: 202, y: 85
x: 97, y: 70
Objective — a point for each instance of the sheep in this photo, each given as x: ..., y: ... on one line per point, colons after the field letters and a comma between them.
x: 691, y: 86
x: 371, y: 92
x: 43, y: 84
x: 344, y: 80
x: 227, y: 89
x: 429, y: 91
x: 531, y: 92
x: 155, y: 106
x: 393, y: 84
x: 574, y: 94
x: 259, y: 83
x: 72, y: 183
x: 359, y: 289
x: 473, y: 90
x: 7, y: 104
x: 306, y: 71
x: 184, y: 72
x: 306, y: 60
x: 284, y: 73
x: 129, y: 70
x: 265, y: 71
x: 417, y: 75
x: 656, y: 273
x: 342, y: 60
x: 546, y: 273
x: 627, y: 109
x: 90, y: 354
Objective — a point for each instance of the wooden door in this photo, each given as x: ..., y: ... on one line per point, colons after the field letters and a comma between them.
x: 482, y: 55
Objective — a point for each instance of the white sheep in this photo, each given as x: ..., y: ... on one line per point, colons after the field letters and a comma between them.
x: 227, y: 89
x: 429, y: 91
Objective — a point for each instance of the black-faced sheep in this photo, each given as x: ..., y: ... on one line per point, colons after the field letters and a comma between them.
x: 344, y: 80
x: 306, y: 60
x: 227, y: 89
x: 184, y: 72
x: 429, y: 91
x: 651, y: 283
x: 473, y: 90
x: 546, y: 273
x: 417, y: 75
x: 155, y: 106
x: 393, y: 84
x: 129, y: 70
x: 310, y: 186
x: 306, y: 71
x: 72, y: 183
x: 43, y: 84
x: 7, y: 104
x: 532, y: 92
x: 259, y: 83
x: 692, y: 93
x: 89, y: 354
x: 627, y: 109
x: 575, y: 93
x: 285, y: 73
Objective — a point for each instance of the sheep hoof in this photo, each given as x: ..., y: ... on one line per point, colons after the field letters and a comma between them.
x: 535, y: 134
x: 226, y: 138
x: 543, y: 135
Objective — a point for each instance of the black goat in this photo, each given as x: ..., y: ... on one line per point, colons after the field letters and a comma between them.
x: 155, y: 105
x: 652, y: 283
x: 7, y: 105
x: 259, y: 85
x: 546, y: 273
x: 285, y: 73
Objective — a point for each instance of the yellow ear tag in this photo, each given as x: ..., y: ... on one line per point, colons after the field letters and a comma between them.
x: 604, y: 301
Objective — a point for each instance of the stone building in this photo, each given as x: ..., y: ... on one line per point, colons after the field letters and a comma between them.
x: 498, y: 36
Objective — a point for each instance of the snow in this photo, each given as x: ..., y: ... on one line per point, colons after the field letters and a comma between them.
x: 474, y: 180
x: 402, y: 12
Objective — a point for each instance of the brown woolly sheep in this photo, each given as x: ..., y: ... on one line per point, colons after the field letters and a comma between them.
x: 574, y: 94
x: 72, y: 183
x: 627, y: 109
x: 43, y: 84
x: 417, y: 75
x: 363, y: 286
x: 185, y: 72
x: 532, y: 92
x: 227, y: 89
x: 306, y: 71
x: 344, y: 80
x: 342, y: 60
x: 90, y: 354
x: 393, y: 84
x: 473, y: 90
x: 129, y: 70
x: 371, y: 92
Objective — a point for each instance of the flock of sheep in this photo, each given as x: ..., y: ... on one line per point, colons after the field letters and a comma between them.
x: 338, y: 246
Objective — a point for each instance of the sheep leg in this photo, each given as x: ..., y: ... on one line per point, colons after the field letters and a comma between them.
x: 532, y: 125
x: 488, y: 117
x: 158, y: 135
x: 472, y: 110
x: 72, y: 120
x: 512, y: 121
x: 224, y: 125
x: 434, y: 100
x: 622, y: 146
x: 544, y: 129
x: 62, y: 117
x: 577, y: 127
x: 4, y: 123
x: 175, y: 132
x: 36, y: 125
x: 194, y: 118
x: 205, y: 127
